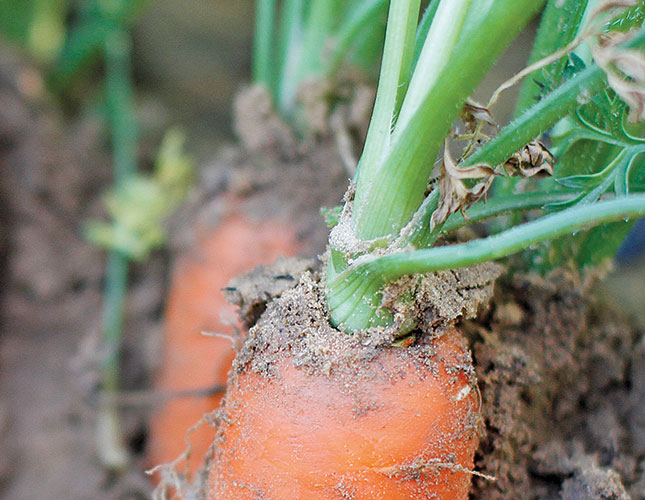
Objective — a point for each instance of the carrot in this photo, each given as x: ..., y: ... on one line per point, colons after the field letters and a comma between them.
x: 192, y: 360
x: 402, y: 425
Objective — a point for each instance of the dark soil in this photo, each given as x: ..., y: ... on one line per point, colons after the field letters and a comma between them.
x: 561, y: 375
x: 51, y: 177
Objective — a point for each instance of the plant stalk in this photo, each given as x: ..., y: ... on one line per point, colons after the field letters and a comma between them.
x: 122, y: 123
x: 395, y: 188
x: 290, y: 51
x: 395, y: 67
x: 364, y: 13
x: 263, y: 40
x: 420, y: 237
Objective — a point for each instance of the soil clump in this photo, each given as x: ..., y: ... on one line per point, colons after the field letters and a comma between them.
x: 560, y: 372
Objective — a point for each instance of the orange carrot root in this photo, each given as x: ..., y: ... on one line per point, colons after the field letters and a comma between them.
x: 403, y: 426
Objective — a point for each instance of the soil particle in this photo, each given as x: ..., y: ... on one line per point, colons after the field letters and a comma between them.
x: 252, y: 291
x: 636, y: 398
x: 584, y: 478
x: 440, y: 298
x: 559, y: 373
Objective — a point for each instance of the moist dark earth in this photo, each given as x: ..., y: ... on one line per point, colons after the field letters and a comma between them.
x: 561, y: 369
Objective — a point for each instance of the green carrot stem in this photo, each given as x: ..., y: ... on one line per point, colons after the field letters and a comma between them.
x: 122, y: 122
x: 390, y: 194
x: 503, y: 205
x: 352, y: 293
x: 395, y: 67
x: 120, y: 105
x: 263, y: 41
x: 110, y: 445
x: 365, y: 13
x: 436, y: 53
x: 289, y: 50
x: 421, y: 237
x: 423, y: 28
x: 317, y: 32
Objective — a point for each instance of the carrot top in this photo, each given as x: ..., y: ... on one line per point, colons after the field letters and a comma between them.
x: 587, y: 79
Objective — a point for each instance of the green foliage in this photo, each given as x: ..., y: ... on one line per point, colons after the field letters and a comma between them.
x: 301, y: 40
x: 597, y: 155
x: 559, y: 25
x: 37, y: 25
x: 139, y: 206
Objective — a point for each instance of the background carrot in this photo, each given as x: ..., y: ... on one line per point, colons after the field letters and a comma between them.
x: 280, y: 182
x: 190, y: 359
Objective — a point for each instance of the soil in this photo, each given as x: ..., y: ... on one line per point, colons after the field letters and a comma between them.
x: 560, y: 372
x: 52, y: 174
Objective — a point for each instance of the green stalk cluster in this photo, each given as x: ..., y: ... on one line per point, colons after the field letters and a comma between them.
x: 417, y: 104
x: 301, y: 40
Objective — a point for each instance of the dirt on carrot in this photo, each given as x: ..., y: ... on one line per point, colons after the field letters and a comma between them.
x: 318, y: 347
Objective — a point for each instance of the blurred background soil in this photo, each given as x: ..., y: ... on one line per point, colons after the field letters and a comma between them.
x: 190, y: 58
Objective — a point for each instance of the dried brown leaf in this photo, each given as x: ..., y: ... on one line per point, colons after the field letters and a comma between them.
x: 533, y: 160
x: 473, y: 112
x: 455, y: 195
x: 474, y: 172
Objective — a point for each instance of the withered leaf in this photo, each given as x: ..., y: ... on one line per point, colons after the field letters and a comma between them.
x: 455, y: 195
x: 473, y: 112
x: 533, y: 160
x: 625, y: 70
